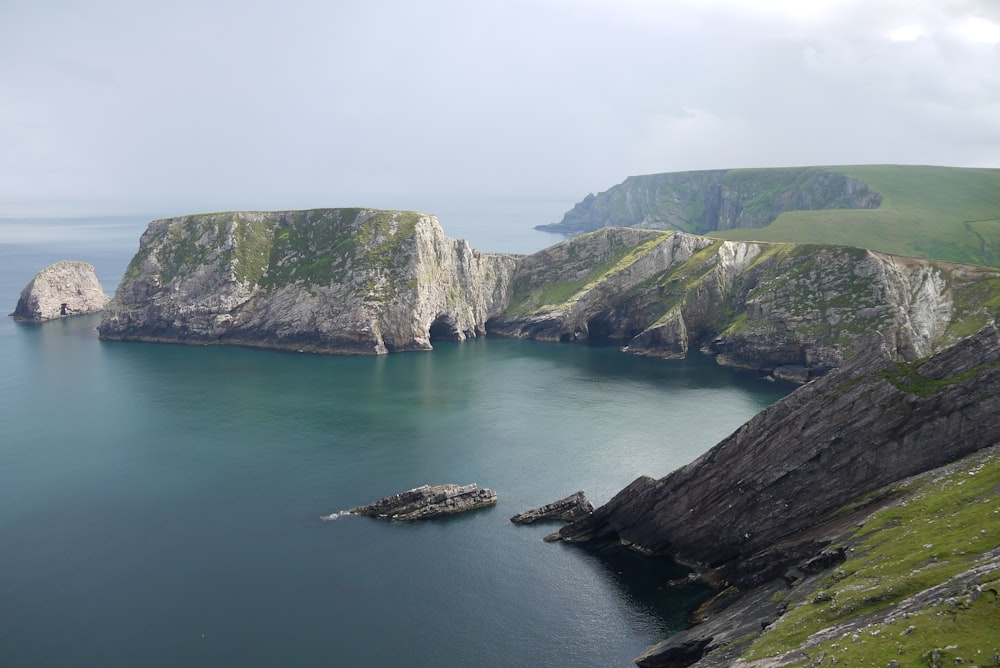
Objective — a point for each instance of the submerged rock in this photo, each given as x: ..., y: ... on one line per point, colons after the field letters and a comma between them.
x: 63, y: 289
x: 426, y: 502
x: 573, y: 507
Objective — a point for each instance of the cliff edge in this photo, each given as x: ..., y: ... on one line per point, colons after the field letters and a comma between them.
x: 794, y: 311
x: 769, y: 500
x: 348, y: 281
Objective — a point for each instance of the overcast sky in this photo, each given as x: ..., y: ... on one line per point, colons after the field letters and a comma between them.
x: 122, y: 106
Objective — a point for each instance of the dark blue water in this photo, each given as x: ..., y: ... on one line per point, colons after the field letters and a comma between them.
x: 159, y: 505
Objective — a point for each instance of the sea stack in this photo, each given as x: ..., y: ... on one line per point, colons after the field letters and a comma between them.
x: 63, y: 289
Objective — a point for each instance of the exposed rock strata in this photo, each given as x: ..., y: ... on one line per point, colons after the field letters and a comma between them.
x: 573, y: 507
x: 63, y: 289
x: 753, y: 506
x: 731, y: 622
x: 359, y: 281
x: 860, y: 427
x: 427, y: 502
x: 794, y: 311
x: 351, y: 281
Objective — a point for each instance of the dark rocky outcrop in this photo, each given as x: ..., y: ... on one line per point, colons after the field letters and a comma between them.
x: 742, y: 509
x: 427, y: 502
x: 573, y: 507
x: 63, y: 289
x: 704, y: 201
x: 763, y: 505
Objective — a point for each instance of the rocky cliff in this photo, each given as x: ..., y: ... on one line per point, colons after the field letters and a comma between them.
x: 766, y: 501
x: 793, y: 310
x: 63, y: 289
x: 359, y: 281
x: 704, y: 201
x: 351, y: 281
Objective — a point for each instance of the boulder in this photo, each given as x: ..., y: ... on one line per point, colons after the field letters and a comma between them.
x: 573, y: 507
x: 426, y: 502
x: 63, y: 289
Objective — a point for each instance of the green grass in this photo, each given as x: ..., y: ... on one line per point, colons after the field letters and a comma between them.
x: 945, y: 523
x: 549, y: 294
x: 942, y: 213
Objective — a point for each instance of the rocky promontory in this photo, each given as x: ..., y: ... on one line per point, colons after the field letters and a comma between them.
x: 790, y: 310
x: 363, y: 281
x: 719, y: 199
x: 63, y: 289
x: 347, y: 281
x: 766, y: 503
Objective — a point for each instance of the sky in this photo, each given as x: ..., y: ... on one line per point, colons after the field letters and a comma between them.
x: 134, y: 106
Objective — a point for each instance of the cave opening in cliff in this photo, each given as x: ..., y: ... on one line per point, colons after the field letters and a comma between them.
x: 443, y: 329
x: 603, y: 329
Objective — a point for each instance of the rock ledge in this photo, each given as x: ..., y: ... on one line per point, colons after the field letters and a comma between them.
x: 573, y: 507
x: 426, y: 502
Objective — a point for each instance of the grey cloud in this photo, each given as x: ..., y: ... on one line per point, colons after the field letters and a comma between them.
x: 307, y: 103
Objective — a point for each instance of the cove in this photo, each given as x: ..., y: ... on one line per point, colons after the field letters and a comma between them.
x: 160, y: 504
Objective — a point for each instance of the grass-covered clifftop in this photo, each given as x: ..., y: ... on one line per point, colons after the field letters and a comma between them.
x: 943, y: 213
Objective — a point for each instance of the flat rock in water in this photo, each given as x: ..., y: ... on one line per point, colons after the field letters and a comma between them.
x: 63, y: 289
x: 426, y: 502
x: 573, y: 507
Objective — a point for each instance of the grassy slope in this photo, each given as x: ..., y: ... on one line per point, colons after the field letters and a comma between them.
x: 944, y: 213
x: 944, y: 523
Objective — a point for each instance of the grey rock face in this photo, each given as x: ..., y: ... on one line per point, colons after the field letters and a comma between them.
x: 350, y: 281
x: 427, y: 502
x: 869, y: 423
x: 573, y: 507
x: 791, y: 310
x: 63, y: 289
x: 360, y: 281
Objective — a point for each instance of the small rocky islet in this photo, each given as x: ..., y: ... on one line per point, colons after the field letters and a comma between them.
x: 63, y: 289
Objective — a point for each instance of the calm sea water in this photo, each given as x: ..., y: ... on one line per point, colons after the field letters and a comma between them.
x: 159, y: 505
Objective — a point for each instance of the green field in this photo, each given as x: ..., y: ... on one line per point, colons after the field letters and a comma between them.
x: 944, y: 213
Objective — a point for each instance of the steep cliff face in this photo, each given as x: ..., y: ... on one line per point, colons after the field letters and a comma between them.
x: 744, y: 507
x: 792, y: 310
x: 63, y: 289
x: 704, y: 201
x: 353, y: 281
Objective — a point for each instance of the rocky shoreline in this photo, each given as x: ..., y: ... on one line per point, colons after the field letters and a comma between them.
x: 363, y: 281
x: 766, y: 508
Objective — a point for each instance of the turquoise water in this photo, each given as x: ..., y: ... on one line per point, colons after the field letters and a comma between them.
x: 159, y: 505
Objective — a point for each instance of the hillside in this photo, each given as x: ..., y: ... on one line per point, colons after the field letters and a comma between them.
x: 792, y: 310
x: 807, y: 520
x: 943, y: 213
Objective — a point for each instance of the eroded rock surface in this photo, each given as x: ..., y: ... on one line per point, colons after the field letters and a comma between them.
x: 869, y: 423
x: 793, y: 311
x: 427, y: 502
x: 348, y: 281
x: 63, y: 289
x: 573, y: 507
